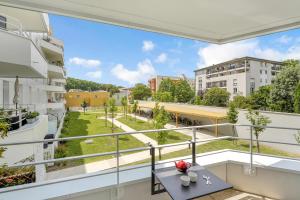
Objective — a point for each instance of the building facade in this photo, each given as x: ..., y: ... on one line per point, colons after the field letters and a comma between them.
x: 155, y: 82
x: 30, y: 53
x: 74, y: 98
x: 240, y: 76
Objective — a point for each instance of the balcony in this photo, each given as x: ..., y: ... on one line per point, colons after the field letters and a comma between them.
x: 56, y: 105
x: 55, y: 72
x: 55, y: 88
x: 52, y: 51
x: 250, y: 173
x: 20, y: 57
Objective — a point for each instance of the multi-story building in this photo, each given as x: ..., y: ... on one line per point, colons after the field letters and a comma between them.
x: 74, y: 98
x: 155, y: 81
x: 30, y: 53
x: 239, y: 76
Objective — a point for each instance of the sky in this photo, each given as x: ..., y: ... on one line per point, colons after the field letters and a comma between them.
x: 111, y: 54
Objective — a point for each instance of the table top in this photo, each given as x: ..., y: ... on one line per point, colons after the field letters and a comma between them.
x: 170, y: 179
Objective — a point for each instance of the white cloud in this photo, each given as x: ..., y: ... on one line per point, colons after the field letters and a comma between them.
x: 89, y: 63
x: 284, y: 39
x: 161, y: 58
x: 143, y: 72
x: 94, y: 75
x: 214, y: 54
x: 148, y: 45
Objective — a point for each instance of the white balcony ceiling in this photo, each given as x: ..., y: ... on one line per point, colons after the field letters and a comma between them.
x: 31, y: 21
x: 217, y: 21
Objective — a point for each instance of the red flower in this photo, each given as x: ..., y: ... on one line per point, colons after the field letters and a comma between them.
x: 9, y: 180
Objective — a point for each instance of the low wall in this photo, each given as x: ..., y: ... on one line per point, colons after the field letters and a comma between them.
x: 34, y: 131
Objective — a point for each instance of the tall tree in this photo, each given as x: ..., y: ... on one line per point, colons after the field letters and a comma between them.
x: 112, y: 109
x: 135, y: 108
x: 106, y: 112
x: 183, y: 91
x: 297, y: 99
x: 216, y: 97
x: 257, y: 119
x: 163, y: 97
x: 141, y: 92
x: 241, y: 102
x: 198, y: 100
x: 282, y: 91
x: 260, y: 98
x: 167, y: 85
x: 124, y: 103
x: 232, y: 116
x: 160, y: 120
x: 84, y: 105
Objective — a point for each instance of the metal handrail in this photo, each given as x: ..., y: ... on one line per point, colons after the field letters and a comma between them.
x: 118, y: 151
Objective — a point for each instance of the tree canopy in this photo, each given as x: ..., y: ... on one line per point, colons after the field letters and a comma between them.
x: 216, y: 97
x: 73, y: 83
x: 261, y: 97
x: 183, y: 92
x: 282, y: 91
x: 141, y: 92
x: 297, y: 99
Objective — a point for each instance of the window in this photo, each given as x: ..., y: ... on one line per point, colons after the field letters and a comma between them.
x: 260, y: 71
x: 261, y: 80
x: 234, y: 90
x: 2, y: 22
x: 266, y: 72
x: 234, y: 82
x: 200, y: 84
x: 252, y: 85
x: 266, y: 81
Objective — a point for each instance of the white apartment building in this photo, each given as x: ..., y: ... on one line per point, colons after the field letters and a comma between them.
x: 239, y: 76
x: 30, y: 52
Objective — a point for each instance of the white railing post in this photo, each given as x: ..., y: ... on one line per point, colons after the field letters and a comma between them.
x: 20, y: 117
x: 251, y: 149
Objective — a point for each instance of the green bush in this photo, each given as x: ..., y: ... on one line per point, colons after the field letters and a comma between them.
x: 32, y: 115
x: 61, y: 152
x: 241, y: 102
x: 216, y: 97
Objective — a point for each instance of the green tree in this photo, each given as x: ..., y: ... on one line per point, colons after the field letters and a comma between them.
x: 84, y: 105
x: 112, y: 109
x: 232, y: 116
x: 241, y: 102
x: 257, y: 119
x: 297, y: 99
x: 124, y: 103
x: 260, y: 98
x: 198, y: 100
x: 183, y: 91
x: 135, y: 108
x: 282, y: 91
x: 73, y: 83
x: 160, y: 120
x: 216, y: 97
x: 167, y: 85
x: 291, y: 62
x: 141, y: 92
x: 163, y: 97
x: 106, y: 112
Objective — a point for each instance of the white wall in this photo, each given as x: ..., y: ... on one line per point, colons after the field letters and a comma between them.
x: 27, y: 133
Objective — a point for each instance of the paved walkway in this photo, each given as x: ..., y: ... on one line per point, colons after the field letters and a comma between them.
x: 201, y: 135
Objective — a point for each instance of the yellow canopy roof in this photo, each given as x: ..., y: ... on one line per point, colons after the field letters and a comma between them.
x: 185, y: 109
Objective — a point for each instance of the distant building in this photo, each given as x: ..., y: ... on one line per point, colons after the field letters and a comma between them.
x: 154, y: 82
x: 74, y: 98
x: 240, y: 76
x: 118, y: 96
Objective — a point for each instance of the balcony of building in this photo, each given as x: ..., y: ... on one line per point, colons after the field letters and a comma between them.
x: 53, y: 49
x: 56, y: 71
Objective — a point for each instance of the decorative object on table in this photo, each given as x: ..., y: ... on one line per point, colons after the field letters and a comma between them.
x: 193, y: 176
x: 208, y: 182
x: 182, y: 166
x: 185, y: 180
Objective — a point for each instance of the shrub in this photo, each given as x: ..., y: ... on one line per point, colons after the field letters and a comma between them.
x: 61, y: 152
x: 32, y: 115
x: 216, y: 97
x: 241, y: 102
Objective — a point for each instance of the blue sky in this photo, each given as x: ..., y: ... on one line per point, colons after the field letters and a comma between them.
x: 111, y: 54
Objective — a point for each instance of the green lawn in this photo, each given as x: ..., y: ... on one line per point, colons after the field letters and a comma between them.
x: 221, y: 145
x: 80, y: 124
x: 173, y: 136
